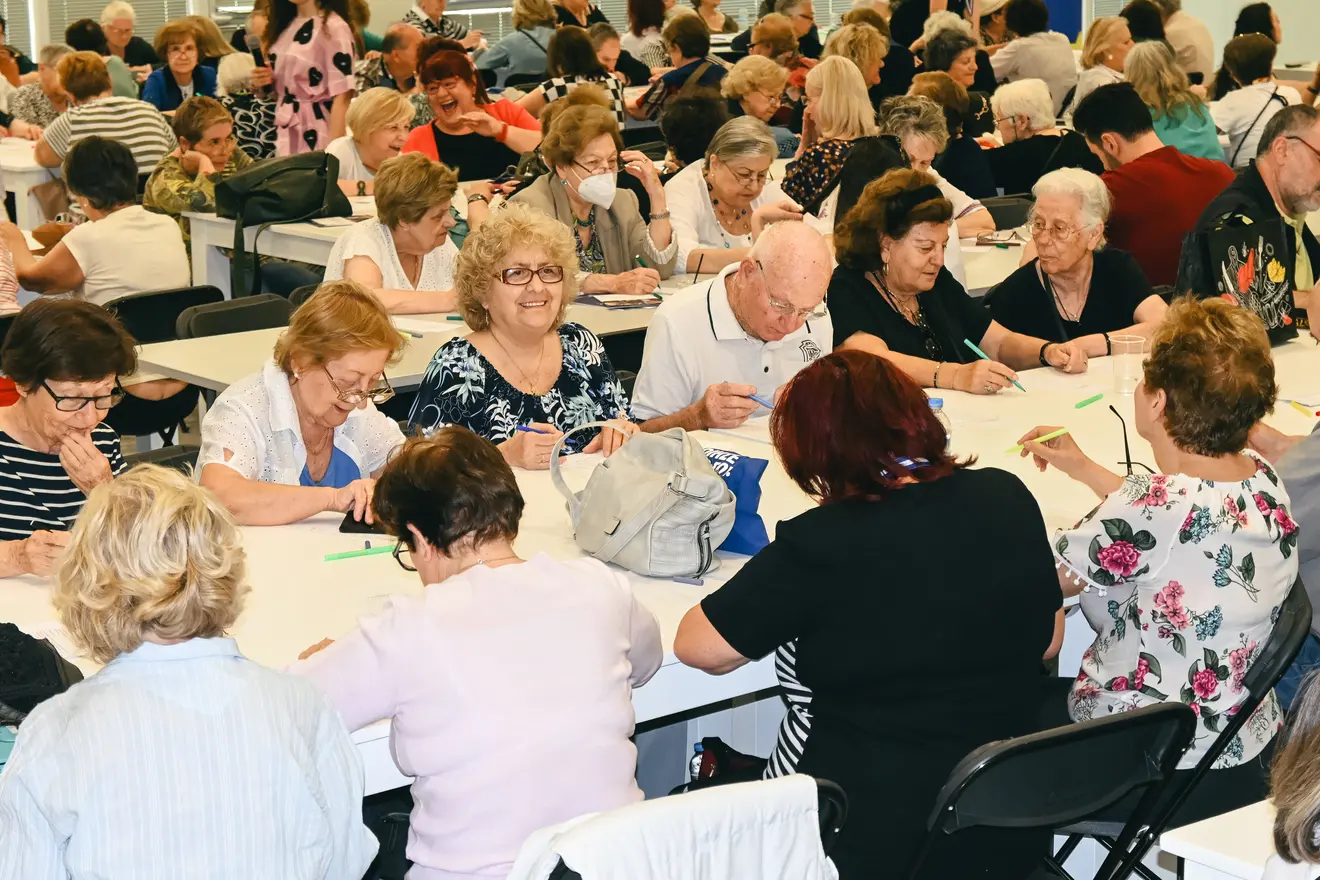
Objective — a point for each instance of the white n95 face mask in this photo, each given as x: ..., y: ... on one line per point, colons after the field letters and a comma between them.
x: 598, y: 189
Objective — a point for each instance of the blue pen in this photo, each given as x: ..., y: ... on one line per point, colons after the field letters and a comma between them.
x: 761, y: 400
x: 527, y: 430
x: 985, y: 357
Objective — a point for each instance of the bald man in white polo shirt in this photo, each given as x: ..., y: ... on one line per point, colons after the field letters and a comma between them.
x: 746, y: 331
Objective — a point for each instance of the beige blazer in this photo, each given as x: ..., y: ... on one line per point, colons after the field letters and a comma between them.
x: 621, y: 229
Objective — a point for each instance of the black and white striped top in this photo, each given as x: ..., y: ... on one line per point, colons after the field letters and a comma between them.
x: 36, y: 492
x: 135, y: 124
x: 796, y: 725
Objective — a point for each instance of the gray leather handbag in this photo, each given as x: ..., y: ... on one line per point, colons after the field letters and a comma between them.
x: 656, y: 506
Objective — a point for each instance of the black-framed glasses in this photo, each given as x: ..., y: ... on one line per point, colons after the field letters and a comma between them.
x: 1127, y: 450
x: 521, y: 276
x: 1304, y: 142
x: 377, y: 395
x: 403, y: 556
x: 610, y: 167
x: 74, y: 402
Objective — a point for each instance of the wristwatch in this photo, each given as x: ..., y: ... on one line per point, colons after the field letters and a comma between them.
x: 362, y: 187
x: 477, y: 197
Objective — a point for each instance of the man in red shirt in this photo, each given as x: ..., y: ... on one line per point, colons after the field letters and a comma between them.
x: 1158, y: 193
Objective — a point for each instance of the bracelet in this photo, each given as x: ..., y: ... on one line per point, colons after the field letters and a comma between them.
x: 1109, y: 345
x: 477, y: 197
x: 663, y: 215
x: 936, y: 381
x: 1041, y: 356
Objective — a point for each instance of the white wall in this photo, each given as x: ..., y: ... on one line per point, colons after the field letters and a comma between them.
x: 1301, y: 25
x: 384, y: 12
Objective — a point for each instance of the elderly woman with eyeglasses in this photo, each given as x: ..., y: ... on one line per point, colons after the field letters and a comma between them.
x: 65, y: 358
x: 1076, y: 289
x: 720, y: 206
x: 892, y: 296
x: 304, y: 435
x: 523, y: 377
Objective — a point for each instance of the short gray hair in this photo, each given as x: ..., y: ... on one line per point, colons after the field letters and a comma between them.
x: 742, y: 137
x: 51, y: 55
x: 234, y: 74
x: 116, y: 10
x: 905, y: 116
x: 1291, y: 121
x: 784, y: 7
x: 1089, y: 190
x: 939, y: 22
x: 1025, y: 97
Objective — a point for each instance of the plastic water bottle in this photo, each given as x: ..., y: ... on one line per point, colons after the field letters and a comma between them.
x: 694, y: 766
x: 937, y: 407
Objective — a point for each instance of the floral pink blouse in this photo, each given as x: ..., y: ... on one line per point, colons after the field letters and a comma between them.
x: 312, y: 60
x: 1184, y: 578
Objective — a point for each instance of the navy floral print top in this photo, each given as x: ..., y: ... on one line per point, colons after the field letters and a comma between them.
x: 1184, y: 578
x: 807, y: 181
x: 461, y: 387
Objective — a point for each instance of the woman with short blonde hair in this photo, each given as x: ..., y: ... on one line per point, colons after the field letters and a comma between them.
x: 379, y: 120
x: 533, y: 13
x: 524, y: 50
x: 773, y: 36
x: 838, y: 113
x: 1104, y: 53
x: 752, y: 77
x: 304, y: 436
x: 154, y: 576
x: 522, y: 366
x: 404, y: 254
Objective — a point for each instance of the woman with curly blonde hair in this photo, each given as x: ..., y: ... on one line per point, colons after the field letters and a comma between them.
x: 236, y: 764
x: 523, y: 377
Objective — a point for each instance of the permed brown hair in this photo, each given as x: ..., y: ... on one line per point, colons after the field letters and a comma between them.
x: 339, y: 318
x: 83, y: 75
x: 878, y: 213
x: 576, y: 127
x: 409, y: 185
x: 196, y: 115
x: 1212, y: 360
x: 175, y: 33
x: 454, y: 487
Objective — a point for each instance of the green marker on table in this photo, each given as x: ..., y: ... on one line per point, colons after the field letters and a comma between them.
x: 985, y: 357
x: 1050, y: 436
x: 351, y: 554
x: 1088, y: 401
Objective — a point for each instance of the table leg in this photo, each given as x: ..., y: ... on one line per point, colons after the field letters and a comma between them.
x: 209, y: 264
x: 25, y: 209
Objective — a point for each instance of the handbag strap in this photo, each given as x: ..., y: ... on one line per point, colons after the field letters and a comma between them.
x: 556, y: 477
x: 534, y: 40
x: 1268, y: 101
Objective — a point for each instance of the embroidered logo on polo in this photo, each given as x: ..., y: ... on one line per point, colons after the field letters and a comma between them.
x: 810, y: 350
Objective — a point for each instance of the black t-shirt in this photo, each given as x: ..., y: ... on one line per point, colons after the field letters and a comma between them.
x: 638, y: 74
x: 896, y: 75
x: 1118, y: 286
x: 913, y: 656
x: 965, y: 165
x: 474, y: 156
x: 139, y: 52
x: 1017, y: 166
x: 856, y: 306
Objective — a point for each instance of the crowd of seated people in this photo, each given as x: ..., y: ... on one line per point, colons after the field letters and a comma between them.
x: 824, y: 185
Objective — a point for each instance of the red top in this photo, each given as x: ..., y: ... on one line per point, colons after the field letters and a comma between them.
x: 422, y: 140
x: 1157, y: 199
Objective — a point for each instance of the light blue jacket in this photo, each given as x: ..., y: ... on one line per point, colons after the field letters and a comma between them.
x: 519, y: 52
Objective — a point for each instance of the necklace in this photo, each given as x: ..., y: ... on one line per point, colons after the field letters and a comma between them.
x: 531, y: 384
x: 912, y: 315
x: 320, y: 447
x: 1074, y: 318
x: 591, y: 218
x: 477, y: 562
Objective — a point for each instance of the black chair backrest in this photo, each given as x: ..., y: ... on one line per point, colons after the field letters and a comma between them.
x: 831, y: 807
x: 1009, y: 212
x: 1049, y: 779
x: 6, y: 321
x: 299, y: 295
x: 153, y: 316
x: 1276, y: 655
x: 258, y: 312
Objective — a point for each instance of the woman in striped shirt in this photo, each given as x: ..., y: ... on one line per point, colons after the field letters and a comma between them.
x: 65, y: 357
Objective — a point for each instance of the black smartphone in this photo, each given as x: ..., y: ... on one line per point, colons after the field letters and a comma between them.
x: 352, y: 526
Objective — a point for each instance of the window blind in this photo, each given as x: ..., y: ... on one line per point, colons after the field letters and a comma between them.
x: 18, y: 25
x: 151, y: 14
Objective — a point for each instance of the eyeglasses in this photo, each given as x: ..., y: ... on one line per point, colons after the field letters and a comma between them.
x: 1058, y: 232
x: 447, y: 85
x: 521, y: 276
x: 804, y: 16
x: 1127, y: 452
x: 610, y: 167
x: 772, y: 100
x: 1304, y: 142
x: 377, y: 395
x: 181, y: 50
x: 73, y: 402
x: 748, y: 178
x: 787, y: 309
x: 221, y: 142
x: 403, y: 556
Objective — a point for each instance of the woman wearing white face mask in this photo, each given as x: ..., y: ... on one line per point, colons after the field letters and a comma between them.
x: 618, y: 251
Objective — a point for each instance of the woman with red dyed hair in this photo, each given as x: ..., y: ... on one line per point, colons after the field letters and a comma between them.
x: 478, y: 137
x: 909, y: 614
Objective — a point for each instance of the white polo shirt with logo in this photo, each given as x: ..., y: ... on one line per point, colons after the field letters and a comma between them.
x: 694, y: 341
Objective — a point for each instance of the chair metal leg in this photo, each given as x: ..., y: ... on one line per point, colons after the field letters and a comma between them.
x: 1067, y: 849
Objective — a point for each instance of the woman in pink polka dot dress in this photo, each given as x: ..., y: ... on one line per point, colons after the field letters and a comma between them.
x: 311, y: 54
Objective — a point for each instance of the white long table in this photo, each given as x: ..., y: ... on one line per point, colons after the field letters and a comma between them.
x: 21, y: 173
x: 1234, y: 846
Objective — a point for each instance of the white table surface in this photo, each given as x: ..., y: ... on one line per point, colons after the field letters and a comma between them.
x: 1234, y: 846
x: 21, y: 172
x: 297, y: 599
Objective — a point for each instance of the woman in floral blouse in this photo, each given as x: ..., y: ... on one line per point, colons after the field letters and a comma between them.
x: 838, y: 113
x: 1182, y: 573
x: 524, y: 377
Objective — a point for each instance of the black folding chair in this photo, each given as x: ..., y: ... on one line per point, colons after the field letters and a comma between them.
x: 1009, y: 212
x: 300, y: 295
x: 832, y: 806
x: 1278, y: 653
x: 517, y: 80
x: 258, y: 312
x: 1047, y: 779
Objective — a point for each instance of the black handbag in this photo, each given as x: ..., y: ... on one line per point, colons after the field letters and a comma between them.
x: 30, y: 671
x: 287, y: 189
